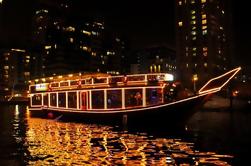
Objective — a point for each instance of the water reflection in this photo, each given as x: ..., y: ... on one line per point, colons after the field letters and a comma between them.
x: 51, y: 142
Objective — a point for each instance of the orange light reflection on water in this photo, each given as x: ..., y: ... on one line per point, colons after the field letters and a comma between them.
x: 59, y: 143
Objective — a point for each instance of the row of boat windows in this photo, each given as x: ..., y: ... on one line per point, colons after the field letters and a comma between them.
x: 98, y: 99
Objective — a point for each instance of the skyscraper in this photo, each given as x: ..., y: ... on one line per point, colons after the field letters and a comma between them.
x: 201, y: 39
x: 14, y: 73
x: 67, y: 42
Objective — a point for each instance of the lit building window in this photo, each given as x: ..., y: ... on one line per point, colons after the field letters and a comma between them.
x: 95, y: 33
x: 204, y: 21
x: 187, y: 65
x: 180, y: 23
x: 205, y: 64
x: 193, y: 28
x: 42, y: 11
x: 117, y: 39
x: 194, y: 48
x: 151, y: 69
x: 70, y: 29
x: 193, y: 32
x: 204, y: 32
x: 180, y: 2
x: 193, y: 17
x: 186, y: 48
x: 27, y: 60
x: 6, y: 58
x: 204, y: 27
x: 155, y: 68
x: 203, y: 16
x: 204, y: 49
x: 86, y: 32
x: 222, y: 12
x: 193, y: 22
x: 195, y: 65
x: 71, y: 40
x: 110, y: 53
x: 221, y: 28
x: 194, y: 54
x: 47, y: 47
x: 192, y: 11
x: 85, y: 48
x: 203, y: 1
x: 27, y: 74
x: 192, y: 1
x: 94, y: 53
x: 204, y: 53
x: 194, y: 38
x: 6, y: 67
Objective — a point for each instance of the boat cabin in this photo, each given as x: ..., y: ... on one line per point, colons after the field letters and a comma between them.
x: 99, y: 91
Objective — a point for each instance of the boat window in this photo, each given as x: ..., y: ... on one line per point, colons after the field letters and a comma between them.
x: 100, y: 80
x: 114, y: 99
x: 45, y: 99
x: 136, y: 78
x: 37, y: 99
x: 133, y: 97
x: 116, y: 79
x: 33, y: 89
x: 61, y: 100
x: 88, y: 81
x: 53, y: 99
x: 152, y: 77
x: 54, y: 84
x: 64, y: 84
x: 98, y: 99
x: 82, y: 82
x: 74, y: 83
x: 153, y: 96
x: 72, y: 100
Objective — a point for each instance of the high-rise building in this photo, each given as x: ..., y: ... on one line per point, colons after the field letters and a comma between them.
x: 155, y: 59
x: 201, y: 39
x: 14, y: 73
x: 66, y: 42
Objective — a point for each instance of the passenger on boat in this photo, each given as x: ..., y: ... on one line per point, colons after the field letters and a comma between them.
x: 138, y: 98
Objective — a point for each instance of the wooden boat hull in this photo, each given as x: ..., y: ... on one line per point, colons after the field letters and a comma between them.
x: 175, y: 113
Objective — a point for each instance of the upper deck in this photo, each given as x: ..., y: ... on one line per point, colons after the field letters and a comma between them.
x: 94, y: 81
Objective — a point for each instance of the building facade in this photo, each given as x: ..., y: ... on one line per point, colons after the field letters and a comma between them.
x: 155, y: 59
x: 14, y: 73
x: 69, y: 42
x: 201, y: 39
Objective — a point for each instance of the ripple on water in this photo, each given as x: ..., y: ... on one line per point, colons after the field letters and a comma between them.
x: 58, y: 143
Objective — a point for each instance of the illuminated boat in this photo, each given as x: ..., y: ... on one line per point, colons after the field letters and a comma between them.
x: 151, y: 97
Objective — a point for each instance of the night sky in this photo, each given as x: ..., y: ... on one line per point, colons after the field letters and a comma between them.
x: 145, y: 23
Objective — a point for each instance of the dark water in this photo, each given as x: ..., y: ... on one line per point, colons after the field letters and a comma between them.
x: 210, y: 138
